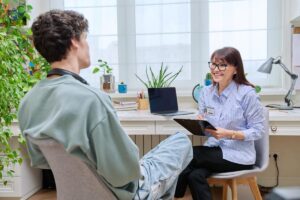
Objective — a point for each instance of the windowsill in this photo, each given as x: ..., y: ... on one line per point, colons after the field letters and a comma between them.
x: 181, y: 93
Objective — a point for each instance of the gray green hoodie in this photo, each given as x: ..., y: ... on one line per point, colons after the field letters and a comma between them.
x: 83, y: 119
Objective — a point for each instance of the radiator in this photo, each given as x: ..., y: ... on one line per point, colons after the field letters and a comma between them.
x: 147, y: 142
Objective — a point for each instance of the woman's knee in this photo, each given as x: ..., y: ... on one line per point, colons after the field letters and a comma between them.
x: 197, y: 176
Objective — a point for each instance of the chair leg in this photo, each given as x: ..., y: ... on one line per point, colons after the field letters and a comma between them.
x: 254, y: 188
x: 233, y: 187
x: 224, y: 191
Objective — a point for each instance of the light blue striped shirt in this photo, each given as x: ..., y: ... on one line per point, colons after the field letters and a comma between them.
x: 237, y: 108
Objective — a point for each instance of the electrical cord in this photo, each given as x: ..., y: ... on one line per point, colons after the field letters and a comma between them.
x: 277, y: 169
x: 267, y: 189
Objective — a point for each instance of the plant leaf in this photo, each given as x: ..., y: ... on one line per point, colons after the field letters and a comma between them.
x: 95, y: 70
x: 149, y: 81
x: 172, y: 78
x: 153, y: 78
x: 257, y: 89
x: 142, y: 80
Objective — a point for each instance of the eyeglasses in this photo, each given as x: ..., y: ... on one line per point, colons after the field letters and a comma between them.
x: 221, y: 67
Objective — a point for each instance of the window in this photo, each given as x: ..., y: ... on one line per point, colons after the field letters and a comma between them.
x: 133, y: 34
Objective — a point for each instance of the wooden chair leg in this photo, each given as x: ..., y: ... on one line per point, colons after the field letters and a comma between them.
x: 233, y: 187
x: 254, y: 188
x: 224, y: 191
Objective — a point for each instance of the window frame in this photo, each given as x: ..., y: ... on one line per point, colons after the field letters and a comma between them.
x: 199, y: 24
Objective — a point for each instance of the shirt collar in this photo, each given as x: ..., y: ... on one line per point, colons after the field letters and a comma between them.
x: 226, y: 92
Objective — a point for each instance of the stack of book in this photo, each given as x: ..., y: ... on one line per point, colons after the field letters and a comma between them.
x: 125, y: 105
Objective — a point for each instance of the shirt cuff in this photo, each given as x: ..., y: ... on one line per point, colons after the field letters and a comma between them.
x: 251, y: 134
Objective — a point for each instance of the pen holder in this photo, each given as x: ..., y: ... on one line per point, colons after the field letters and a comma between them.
x: 143, y: 104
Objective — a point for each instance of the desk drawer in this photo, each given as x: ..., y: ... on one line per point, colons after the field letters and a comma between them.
x: 12, y: 189
x: 169, y: 128
x: 285, y: 128
x: 140, y: 128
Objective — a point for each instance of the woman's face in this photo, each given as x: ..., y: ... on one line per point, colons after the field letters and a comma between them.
x: 221, y: 71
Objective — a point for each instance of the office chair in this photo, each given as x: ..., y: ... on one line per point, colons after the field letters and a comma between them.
x: 74, y: 179
x: 232, y: 179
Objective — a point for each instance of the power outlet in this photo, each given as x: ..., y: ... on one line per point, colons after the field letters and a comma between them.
x: 275, y: 156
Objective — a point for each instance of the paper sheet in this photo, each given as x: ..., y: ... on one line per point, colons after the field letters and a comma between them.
x: 296, y: 58
x: 296, y: 50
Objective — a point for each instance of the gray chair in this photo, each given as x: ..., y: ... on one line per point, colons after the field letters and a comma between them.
x: 232, y: 179
x: 74, y: 179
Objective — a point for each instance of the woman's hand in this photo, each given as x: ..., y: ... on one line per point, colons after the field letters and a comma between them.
x: 200, y: 117
x: 219, y: 133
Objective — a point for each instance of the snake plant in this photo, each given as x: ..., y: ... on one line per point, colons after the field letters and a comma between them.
x: 162, y: 79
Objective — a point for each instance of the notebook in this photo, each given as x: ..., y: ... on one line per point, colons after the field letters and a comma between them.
x: 195, y: 126
x: 163, y: 101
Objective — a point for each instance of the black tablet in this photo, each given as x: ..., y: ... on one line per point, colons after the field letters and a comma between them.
x: 195, y: 126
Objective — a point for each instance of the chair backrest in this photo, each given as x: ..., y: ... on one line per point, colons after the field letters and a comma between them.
x: 262, y: 145
x: 74, y: 179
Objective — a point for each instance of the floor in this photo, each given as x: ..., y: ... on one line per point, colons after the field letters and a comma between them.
x: 51, y: 195
x: 44, y: 195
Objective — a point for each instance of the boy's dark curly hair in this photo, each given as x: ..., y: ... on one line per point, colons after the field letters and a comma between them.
x: 53, y: 31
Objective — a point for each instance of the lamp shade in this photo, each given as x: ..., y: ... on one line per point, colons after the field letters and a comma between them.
x: 266, y: 67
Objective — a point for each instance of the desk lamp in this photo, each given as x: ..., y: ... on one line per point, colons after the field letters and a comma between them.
x: 267, y: 68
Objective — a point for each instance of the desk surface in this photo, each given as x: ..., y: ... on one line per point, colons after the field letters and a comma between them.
x: 145, y: 123
x: 145, y: 115
x: 142, y: 122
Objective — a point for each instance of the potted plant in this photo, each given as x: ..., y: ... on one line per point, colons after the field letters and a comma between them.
x: 20, y: 68
x: 163, y: 79
x: 107, y: 80
x: 257, y: 87
x: 208, y: 79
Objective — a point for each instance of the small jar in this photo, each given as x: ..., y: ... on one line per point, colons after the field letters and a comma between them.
x: 122, y: 88
x: 107, y: 83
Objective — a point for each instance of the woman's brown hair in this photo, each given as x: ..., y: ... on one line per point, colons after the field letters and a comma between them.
x: 232, y: 56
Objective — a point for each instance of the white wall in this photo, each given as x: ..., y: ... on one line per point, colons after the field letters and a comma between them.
x: 39, y: 6
x: 294, y: 9
x: 295, y: 12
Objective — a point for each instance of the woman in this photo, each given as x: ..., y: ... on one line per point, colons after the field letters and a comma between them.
x: 232, y: 105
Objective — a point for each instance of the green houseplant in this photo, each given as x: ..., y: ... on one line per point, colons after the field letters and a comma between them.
x: 102, y: 65
x: 107, y: 80
x: 162, y: 79
x: 20, y: 68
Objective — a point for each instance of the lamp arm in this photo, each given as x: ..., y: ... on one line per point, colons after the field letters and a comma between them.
x: 288, y: 96
x: 294, y: 77
x: 286, y: 69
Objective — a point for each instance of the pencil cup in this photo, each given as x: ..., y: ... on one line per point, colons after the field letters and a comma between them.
x: 142, y: 104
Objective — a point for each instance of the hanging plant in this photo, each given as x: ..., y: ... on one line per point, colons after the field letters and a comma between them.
x: 20, y: 68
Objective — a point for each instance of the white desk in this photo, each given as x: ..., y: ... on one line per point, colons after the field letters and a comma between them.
x: 284, y: 123
x: 143, y: 126
x: 142, y: 122
x: 148, y: 130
